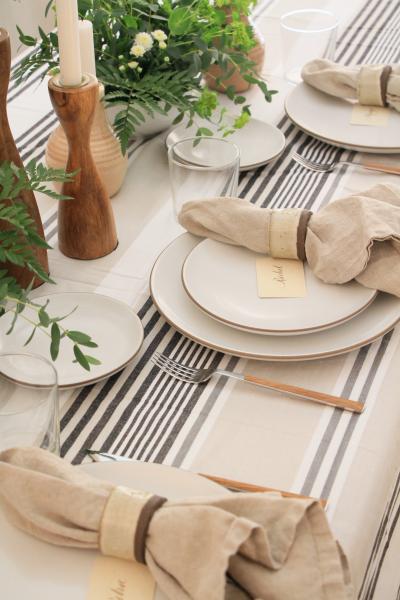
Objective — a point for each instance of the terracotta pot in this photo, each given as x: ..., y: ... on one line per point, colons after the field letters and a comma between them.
x: 9, y: 152
x: 256, y: 54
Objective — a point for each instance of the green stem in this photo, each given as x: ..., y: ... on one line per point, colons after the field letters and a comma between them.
x: 35, y: 308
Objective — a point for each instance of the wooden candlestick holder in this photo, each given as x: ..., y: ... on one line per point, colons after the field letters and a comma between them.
x: 86, y: 226
x: 106, y: 150
x: 9, y: 152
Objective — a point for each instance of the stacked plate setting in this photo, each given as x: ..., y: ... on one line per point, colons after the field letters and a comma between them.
x: 208, y: 291
x: 328, y: 119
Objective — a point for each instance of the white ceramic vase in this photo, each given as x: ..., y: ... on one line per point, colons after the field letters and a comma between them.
x: 151, y: 126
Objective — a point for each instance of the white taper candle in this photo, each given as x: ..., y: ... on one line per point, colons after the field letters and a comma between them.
x: 88, y: 61
x: 68, y: 42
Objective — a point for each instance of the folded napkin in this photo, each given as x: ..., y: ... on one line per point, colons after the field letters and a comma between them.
x: 356, y: 237
x: 372, y: 85
x: 273, y: 548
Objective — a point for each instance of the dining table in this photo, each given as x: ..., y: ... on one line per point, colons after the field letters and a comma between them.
x: 229, y: 428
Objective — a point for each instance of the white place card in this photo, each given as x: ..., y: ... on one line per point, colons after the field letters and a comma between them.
x: 280, y: 278
x: 375, y: 116
x: 118, y: 579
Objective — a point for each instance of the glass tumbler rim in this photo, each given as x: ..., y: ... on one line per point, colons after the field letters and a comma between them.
x: 195, y: 167
x: 309, y: 10
x: 27, y: 385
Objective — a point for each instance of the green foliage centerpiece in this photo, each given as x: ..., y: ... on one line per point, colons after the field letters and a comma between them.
x: 151, y: 56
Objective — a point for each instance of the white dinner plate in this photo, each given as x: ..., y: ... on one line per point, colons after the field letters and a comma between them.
x: 172, y: 301
x: 329, y: 119
x: 221, y: 280
x: 258, y: 142
x: 112, y: 324
x: 34, y: 570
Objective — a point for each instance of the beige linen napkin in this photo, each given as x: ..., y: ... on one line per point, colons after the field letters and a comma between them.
x: 274, y: 548
x: 372, y: 85
x: 356, y: 237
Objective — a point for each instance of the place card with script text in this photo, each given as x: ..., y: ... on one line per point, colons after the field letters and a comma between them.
x: 117, y: 579
x: 280, y: 278
x: 375, y: 116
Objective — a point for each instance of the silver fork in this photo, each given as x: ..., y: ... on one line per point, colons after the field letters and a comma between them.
x: 326, y: 167
x: 198, y: 376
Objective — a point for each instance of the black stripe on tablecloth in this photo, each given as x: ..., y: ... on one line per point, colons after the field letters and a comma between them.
x: 342, y: 54
x: 306, y: 188
x: 21, y: 140
x: 38, y: 142
x: 171, y: 405
x: 14, y: 93
x: 334, y: 421
x: 380, y: 546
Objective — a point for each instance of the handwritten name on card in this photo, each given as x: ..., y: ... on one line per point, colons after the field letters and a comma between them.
x: 280, y: 278
x: 375, y: 116
x: 117, y: 579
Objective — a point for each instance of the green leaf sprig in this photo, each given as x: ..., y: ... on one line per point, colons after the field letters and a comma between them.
x: 18, y: 237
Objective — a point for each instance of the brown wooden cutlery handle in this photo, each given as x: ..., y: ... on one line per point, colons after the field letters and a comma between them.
x: 251, y: 487
x: 312, y: 395
x: 392, y: 169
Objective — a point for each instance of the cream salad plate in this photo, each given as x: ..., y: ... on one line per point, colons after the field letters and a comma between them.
x: 221, y: 280
x: 333, y: 120
x: 179, y: 310
x: 259, y: 143
x: 34, y: 570
x: 112, y: 324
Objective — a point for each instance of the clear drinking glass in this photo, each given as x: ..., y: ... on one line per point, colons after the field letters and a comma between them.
x: 202, y: 168
x: 29, y: 414
x: 307, y: 34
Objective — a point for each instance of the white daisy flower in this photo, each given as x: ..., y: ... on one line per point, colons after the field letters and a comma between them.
x: 133, y: 64
x: 137, y: 50
x: 144, y: 39
x: 159, y: 35
x: 162, y: 45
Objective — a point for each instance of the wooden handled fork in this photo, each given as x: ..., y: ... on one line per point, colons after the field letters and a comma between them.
x: 197, y: 376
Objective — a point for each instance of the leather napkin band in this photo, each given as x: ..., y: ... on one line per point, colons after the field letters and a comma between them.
x: 125, y: 523
x: 372, y: 85
x: 302, y: 233
x: 146, y: 515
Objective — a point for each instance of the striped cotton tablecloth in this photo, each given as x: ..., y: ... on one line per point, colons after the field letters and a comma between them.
x: 228, y: 428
